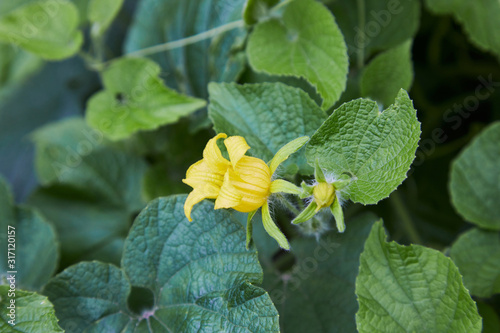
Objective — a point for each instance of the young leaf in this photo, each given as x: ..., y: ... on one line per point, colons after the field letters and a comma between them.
x: 200, y: 273
x: 267, y: 115
x: 317, y: 295
x: 374, y: 148
x: 101, y: 14
x: 475, y: 179
x: 35, y: 249
x: 46, y: 28
x: 410, y: 289
x: 305, y: 43
x: 135, y: 99
x: 375, y: 25
x: 33, y: 313
x: 479, y: 19
x: 385, y: 75
x: 191, y: 67
x: 477, y: 255
x: 255, y: 9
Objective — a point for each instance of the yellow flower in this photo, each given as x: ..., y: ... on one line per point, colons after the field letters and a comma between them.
x: 242, y: 183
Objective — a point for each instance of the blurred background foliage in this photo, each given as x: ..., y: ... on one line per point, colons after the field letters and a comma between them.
x: 447, y: 69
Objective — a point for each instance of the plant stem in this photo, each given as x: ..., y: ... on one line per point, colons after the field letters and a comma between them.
x: 405, y: 218
x: 188, y: 40
x: 361, y: 19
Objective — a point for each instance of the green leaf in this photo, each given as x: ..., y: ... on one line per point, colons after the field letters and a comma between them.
x: 375, y: 25
x: 192, y: 67
x: 475, y: 180
x: 101, y: 14
x: 385, y: 75
x: 317, y: 294
x: 33, y: 243
x: 33, y: 313
x: 257, y: 9
x: 294, y: 46
x: 98, y: 186
x: 46, y: 28
x: 200, y: 274
x: 411, y: 289
x: 267, y: 115
x: 16, y: 66
x: 374, y: 148
x: 478, y: 18
x: 135, y: 99
x: 477, y: 255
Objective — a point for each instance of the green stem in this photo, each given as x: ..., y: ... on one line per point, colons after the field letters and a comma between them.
x: 405, y: 218
x: 187, y: 41
x: 361, y: 19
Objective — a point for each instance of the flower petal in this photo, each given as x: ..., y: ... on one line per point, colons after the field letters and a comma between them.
x: 272, y: 229
x: 200, y: 177
x: 236, y: 147
x: 285, y: 151
x: 229, y: 196
x: 213, y: 156
x: 193, y: 198
x: 255, y: 173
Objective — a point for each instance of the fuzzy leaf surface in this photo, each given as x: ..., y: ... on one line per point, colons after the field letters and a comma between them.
x: 374, y: 148
x: 411, y: 289
x: 200, y: 274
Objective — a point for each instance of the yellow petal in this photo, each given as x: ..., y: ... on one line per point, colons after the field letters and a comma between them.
x: 229, y: 196
x: 213, y: 156
x: 193, y: 198
x: 285, y: 152
x: 254, y: 172
x: 200, y: 177
x: 236, y: 147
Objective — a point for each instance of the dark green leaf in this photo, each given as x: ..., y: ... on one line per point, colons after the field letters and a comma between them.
x: 200, y: 273
x: 317, y: 295
x: 389, y: 72
x: 33, y: 246
x: 475, y: 179
x: 189, y: 69
x: 477, y: 255
x: 267, y: 115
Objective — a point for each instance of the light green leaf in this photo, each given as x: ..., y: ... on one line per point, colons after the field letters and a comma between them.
x: 374, y: 148
x: 479, y: 19
x: 477, y: 255
x: 385, y: 75
x: 305, y: 43
x: 267, y: 115
x: 200, y: 274
x: 475, y: 179
x: 33, y: 313
x: 46, y: 28
x: 34, y: 244
x: 257, y: 9
x: 370, y: 26
x: 192, y: 67
x: 98, y: 186
x: 411, y: 289
x: 135, y: 99
x: 101, y: 14
x: 317, y: 294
